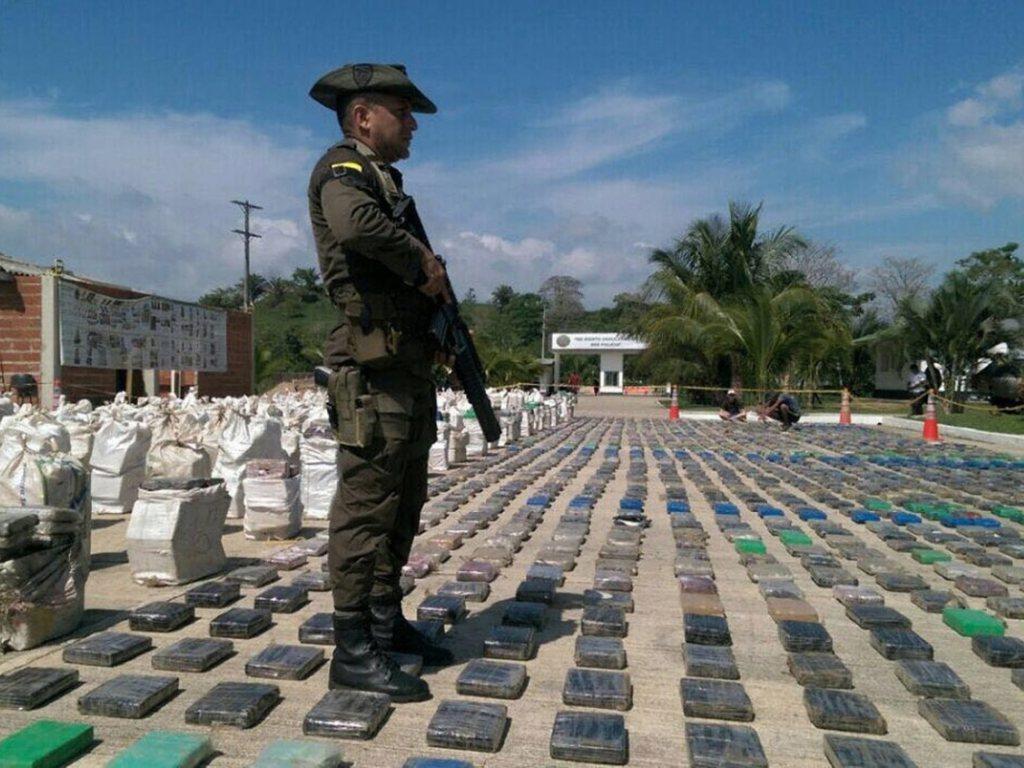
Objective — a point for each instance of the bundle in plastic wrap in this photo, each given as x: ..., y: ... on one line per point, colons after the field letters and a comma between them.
x: 174, y: 535
x: 458, y: 444
x: 118, y: 465
x: 318, y: 455
x: 437, y: 459
x: 130, y: 696
x: 272, y: 509
x: 42, y: 578
x: 347, y: 715
x: 31, y: 687
x: 243, y: 439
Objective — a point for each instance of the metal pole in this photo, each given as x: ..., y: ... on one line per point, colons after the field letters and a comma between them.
x: 245, y: 294
x: 543, y: 327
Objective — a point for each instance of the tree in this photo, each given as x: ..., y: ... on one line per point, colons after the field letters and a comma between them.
x: 501, y: 296
x: 523, y: 317
x: 563, y: 300
x: 897, y: 280
x: 1000, y: 266
x: 231, y: 297
x: 718, y: 260
x: 276, y: 289
x: 955, y: 327
x: 307, y: 283
x: 469, y: 297
x: 820, y: 266
x: 725, y: 258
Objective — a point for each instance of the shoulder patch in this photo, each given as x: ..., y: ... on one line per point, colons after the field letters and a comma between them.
x: 340, y: 169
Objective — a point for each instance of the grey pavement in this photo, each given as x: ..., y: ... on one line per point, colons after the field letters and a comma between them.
x: 653, y: 644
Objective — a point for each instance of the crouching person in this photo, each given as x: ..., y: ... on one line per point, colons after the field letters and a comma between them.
x: 783, y: 408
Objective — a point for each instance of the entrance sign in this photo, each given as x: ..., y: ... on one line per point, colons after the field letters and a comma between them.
x: 595, y: 342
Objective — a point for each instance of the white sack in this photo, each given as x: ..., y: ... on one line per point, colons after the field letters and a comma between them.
x: 272, y: 508
x: 174, y: 536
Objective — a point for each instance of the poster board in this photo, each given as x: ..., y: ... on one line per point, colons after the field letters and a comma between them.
x: 99, y: 331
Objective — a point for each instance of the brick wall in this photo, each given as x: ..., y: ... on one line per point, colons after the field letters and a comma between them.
x: 21, y: 320
x: 237, y: 380
x: 188, y: 379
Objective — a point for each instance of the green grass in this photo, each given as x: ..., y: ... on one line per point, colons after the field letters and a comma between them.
x: 1006, y: 423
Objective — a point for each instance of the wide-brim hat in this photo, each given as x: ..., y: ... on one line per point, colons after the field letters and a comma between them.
x: 337, y: 86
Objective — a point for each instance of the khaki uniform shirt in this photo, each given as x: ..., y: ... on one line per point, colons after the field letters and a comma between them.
x: 369, y: 263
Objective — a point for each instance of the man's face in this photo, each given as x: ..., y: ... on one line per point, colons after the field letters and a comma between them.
x: 389, y: 126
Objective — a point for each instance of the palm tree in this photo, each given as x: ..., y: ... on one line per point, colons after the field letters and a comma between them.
x: 961, y: 321
x: 276, y: 290
x: 723, y: 258
x: 769, y: 334
x: 724, y: 261
x: 775, y: 334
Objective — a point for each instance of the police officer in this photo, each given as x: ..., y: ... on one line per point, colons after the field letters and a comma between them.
x: 385, y: 283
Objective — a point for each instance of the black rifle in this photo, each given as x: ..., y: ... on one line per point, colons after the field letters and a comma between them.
x: 452, y: 335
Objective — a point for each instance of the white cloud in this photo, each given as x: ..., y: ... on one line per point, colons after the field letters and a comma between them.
x: 144, y: 199
x: 621, y: 122
x: 979, y: 154
x: 969, y: 112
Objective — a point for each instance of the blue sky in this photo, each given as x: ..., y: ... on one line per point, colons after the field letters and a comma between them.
x: 571, y: 137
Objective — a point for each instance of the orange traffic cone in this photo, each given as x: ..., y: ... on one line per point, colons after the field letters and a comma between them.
x: 931, y: 421
x: 673, y: 409
x: 844, y: 409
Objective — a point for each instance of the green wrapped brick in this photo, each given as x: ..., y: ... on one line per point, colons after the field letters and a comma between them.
x: 877, y: 505
x: 1009, y: 513
x: 972, y: 623
x: 165, y: 749
x: 795, y: 539
x: 45, y: 744
x: 929, y: 556
x: 298, y: 753
x: 750, y: 547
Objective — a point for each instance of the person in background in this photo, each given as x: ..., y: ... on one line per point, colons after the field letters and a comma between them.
x: 917, y: 385
x: 783, y: 408
x: 732, y: 408
x: 574, y: 382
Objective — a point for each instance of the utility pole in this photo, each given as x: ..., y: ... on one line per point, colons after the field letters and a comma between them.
x: 246, y: 206
x: 543, y: 326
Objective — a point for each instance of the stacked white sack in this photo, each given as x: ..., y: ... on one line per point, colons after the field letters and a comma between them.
x: 271, y: 493
x: 437, y: 459
x: 42, y: 574
x: 319, y: 478
x: 118, y: 465
x: 174, y: 535
x: 243, y: 439
x: 477, y: 445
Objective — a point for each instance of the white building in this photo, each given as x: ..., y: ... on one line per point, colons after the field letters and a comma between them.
x: 611, y: 347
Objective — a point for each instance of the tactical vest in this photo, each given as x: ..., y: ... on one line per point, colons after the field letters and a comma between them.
x: 384, y: 320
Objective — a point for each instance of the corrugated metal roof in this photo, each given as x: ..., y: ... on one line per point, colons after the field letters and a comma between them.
x: 16, y: 267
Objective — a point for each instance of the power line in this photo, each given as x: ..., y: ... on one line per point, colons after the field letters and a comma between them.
x: 247, y: 235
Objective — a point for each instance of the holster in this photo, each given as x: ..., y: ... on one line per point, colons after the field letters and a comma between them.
x: 354, y: 411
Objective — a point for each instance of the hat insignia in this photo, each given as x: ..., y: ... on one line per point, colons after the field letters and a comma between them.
x: 362, y: 74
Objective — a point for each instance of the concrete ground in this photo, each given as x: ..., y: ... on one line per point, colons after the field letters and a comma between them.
x: 653, y: 645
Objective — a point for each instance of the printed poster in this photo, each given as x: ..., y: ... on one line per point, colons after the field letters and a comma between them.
x: 99, y: 331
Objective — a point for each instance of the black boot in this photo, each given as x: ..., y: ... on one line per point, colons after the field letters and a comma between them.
x: 393, y: 632
x: 359, y: 664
